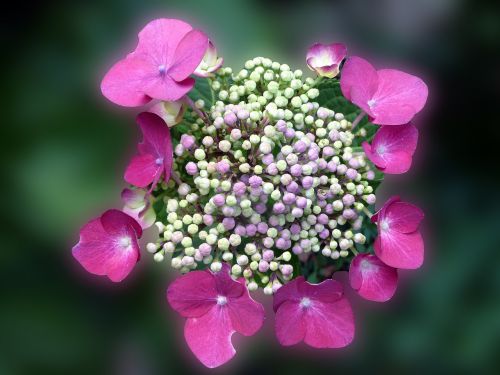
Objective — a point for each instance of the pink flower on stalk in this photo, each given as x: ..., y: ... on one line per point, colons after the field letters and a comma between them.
x: 138, y: 205
x: 317, y: 314
x: 108, y: 245
x: 399, y: 243
x: 215, y: 306
x: 155, y: 156
x: 392, y: 148
x: 388, y: 96
x: 210, y: 63
x: 372, y: 279
x: 168, y: 52
x: 325, y: 59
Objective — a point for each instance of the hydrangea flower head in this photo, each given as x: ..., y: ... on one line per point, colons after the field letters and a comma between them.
x: 388, y: 96
x: 108, y: 245
x: 325, y: 59
x: 168, y: 52
x: 261, y: 178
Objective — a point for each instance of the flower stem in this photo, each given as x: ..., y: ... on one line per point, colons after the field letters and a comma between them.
x: 358, y: 119
x: 190, y: 103
x: 176, y: 178
x: 368, y: 213
x: 317, y: 81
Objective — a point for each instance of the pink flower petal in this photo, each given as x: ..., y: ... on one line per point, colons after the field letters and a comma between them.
x: 290, y: 325
x: 188, y: 55
x: 398, y: 98
x: 329, y: 325
x: 142, y: 170
x: 247, y: 315
x: 309, y: 312
x: 159, y: 39
x: 400, y: 250
x: 134, y: 198
x: 209, y: 337
x: 393, y: 147
x: 123, y: 83
x: 372, y: 279
x: 403, y: 217
x: 193, y: 294
x: 225, y: 284
x: 359, y: 78
x: 108, y: 245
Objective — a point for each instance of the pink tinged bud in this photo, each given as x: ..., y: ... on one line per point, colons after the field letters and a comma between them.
x: 255, y: 181
x: 223, y: 167
x: 263, y: 266
x: 187, y: 141
x: 240, y: 230
x: 191, y: 168
x: 354, y: 163
x: 322, y: 219
x: 341, y: 169
x: 268, y: 255
x: 155, y: 156
x: 295, y: 228
x: 210, y: 62
x: 228, y: 223
x: 272, y: 169
x: 371, y: 198
x: 296, y: 249
x: 317, y: 314
x: 108, y: 245
x: 239, y: 188
x: 349, y: 214
x: 251, y: 229
x: 230, y: 118
x: 286, y: 269
x: 307, y: 183
x: 325, y: 59
x: 281, y: 243
x: 274, y: 221
x: 351, y: 173
x: 372, y: 279
x: 262, y: 228
x: 370, y: 175
x: 296, y: 170
x: 219, y: 200
x: 293, y: 187
x: 399, y: 243
x: 388, y: 96
x: 301, y: 202
x: 324, y: 234
x: 243, y: 114
x: 215, y: 306
x: 348, y: 199
x: 289, y: 133
x: 267, y: 159
x: 208, y: 219
x: 392, y: 148
x: 334, y: 135
x: 299, y: 146
x: 205, y: 249
x: 332, y: 166
x: 289, y: 198
x: 260, y: 208
x: 168, y: 52
x: 281, y: 126
x: 328, y: 151
x: 268, y: 242
x: 279, y: 208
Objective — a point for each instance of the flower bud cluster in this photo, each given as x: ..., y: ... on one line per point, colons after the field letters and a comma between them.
x: 266, y: 176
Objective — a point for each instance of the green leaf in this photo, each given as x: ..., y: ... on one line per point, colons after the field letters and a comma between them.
x: 202, y: 90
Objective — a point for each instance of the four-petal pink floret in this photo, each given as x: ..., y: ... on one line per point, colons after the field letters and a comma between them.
x: 372, y: 279
x: 325, y: 59
x: 317, y: 314
x: 155, y: 156
x: 138, y: 205
x: 210, y: 63
x: 392, y: 148
x: 168, y: 52
x: 108, y: 245
x: 216, y: 306
x: 388, y: 96
x: 399, y: 243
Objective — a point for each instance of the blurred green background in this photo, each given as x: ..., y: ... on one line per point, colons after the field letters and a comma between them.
x: 64, y: 149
